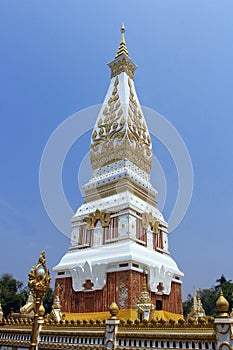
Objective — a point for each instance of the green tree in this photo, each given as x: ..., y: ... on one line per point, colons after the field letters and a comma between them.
x: 12, y: 294
x: 222, y: 280
x: 48, y: 300
x: 227, y: 288
x: 208, y: 299
x: 187, y: 305
x: 210, y: 296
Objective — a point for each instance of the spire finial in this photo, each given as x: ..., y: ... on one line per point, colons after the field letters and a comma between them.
x: 195, y: 300
x: 113, y: 309
x: 144, y: 289
x: 122, y: 48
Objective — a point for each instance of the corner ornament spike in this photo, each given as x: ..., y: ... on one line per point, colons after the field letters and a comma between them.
x: 122, y: 48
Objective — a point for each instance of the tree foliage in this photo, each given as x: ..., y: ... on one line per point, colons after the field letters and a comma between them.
x: 187, y: 305
x: 48, y: 301
x: 210, y: 296
x: 12, y: 294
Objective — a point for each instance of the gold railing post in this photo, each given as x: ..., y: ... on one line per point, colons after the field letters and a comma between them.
x: 39, y: 282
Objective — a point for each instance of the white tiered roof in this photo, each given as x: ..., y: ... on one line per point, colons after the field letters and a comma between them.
x: 79, y: 264
x: 118, y: 252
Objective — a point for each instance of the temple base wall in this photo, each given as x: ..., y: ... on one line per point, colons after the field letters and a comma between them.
x: 124, y: 287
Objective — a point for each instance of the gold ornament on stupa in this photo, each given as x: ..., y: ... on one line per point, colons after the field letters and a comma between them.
x: 120, y: 132
x: 222, y: 305
x: 113, y: 309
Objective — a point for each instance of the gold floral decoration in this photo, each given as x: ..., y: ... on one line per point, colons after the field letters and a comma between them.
x: 111, y: 127
x: 148, y: 218
x: 116, y: 137
x: 103, y: 216
x: 120, y: 66
x: 137, y: 130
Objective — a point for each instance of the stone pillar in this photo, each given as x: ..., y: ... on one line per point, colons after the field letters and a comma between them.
x: 111, y: 328
x: 223, y: 325
x: 224, y: 331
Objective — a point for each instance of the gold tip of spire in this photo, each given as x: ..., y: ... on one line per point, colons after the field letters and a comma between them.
x: 144, y: 289
x: 122, y: 48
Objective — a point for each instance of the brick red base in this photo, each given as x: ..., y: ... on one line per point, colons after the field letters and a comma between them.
x: 123, y: 286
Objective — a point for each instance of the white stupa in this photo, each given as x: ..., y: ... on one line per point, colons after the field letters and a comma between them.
x: 118, y: 232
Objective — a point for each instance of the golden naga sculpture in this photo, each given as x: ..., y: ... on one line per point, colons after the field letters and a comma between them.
x: 56, y: 314
x: 27, y: 309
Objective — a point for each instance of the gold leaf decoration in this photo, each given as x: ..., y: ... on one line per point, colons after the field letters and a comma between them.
x: 103, y: 216
x: 112, y: 125
x: 122, y: 65
x: 137, y: 130
x: 148, y: 218
x: 118, y: 136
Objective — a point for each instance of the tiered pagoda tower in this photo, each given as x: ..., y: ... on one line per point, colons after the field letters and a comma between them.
x: 118, y: 233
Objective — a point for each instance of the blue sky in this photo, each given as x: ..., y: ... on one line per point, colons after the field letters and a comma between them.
x: 53, y: 64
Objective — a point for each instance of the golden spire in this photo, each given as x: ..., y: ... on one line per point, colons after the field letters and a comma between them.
x: 199, y: 303
x: 144, y: 306
x: 195, y: 300
x: 122, y: 48
x: 144, y: 296
x: 197, y: 308
x: 144, y: 289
